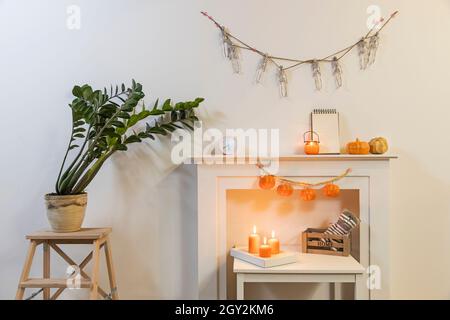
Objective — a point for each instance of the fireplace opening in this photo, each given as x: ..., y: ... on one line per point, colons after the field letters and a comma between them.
x: 288, y: 217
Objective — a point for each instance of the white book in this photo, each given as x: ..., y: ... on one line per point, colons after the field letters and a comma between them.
x: 325, y: 122
x: 284, y: 257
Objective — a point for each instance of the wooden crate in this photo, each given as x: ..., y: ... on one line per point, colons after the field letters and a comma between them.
x: 316, y: 241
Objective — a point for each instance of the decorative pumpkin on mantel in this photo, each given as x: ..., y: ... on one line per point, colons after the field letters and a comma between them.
x: 378, y: 145
x: 358, y: 147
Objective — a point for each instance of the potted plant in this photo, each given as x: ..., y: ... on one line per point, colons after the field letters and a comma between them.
x: 102, y: 124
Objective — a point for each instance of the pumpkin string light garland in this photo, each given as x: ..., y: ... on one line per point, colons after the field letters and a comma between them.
x: 285, y: 187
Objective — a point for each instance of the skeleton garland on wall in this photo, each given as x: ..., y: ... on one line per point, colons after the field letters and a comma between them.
x: 367, y: 48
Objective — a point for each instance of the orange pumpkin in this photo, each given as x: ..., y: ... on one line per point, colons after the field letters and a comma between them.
x: 267, y: 182
x: 331, y: 190
x: 358, y: 147
x: 308, y: 194
x: 285, y: 190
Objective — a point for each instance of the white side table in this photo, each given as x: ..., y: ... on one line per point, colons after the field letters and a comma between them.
x: 309, y: 268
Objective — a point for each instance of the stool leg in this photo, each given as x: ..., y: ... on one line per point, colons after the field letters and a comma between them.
x: 95, y: 268
x: 111, y: 273
x: 26, y: 269
x: 46, y: 267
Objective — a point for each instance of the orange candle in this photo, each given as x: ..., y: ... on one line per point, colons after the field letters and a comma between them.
x: 264, y: 250
x: 253, y: 241
x: 312, y: 147
x: 274, y: 244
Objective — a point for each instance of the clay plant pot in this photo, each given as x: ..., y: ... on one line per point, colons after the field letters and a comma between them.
x: 66, y: 212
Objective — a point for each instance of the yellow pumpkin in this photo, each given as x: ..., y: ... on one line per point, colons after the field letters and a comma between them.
x: 358, y: 147
x: 378, y: 145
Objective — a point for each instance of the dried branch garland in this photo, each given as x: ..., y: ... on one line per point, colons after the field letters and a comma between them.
x: 302, y: 183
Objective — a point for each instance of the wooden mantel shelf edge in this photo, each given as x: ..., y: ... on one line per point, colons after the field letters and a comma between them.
x: 293, y: 157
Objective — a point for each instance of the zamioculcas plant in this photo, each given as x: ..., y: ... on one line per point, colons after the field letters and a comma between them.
x: 102, y: 124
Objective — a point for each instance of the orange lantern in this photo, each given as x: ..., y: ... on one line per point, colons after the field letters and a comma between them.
x: 331, y: 190
x: 311, y: 139
x: 267, y: 182
x: 285, y: 190
x: 308, y: 194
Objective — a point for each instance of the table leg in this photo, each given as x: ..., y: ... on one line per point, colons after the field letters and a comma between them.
x: 337, y: 291
x: 240, y: 286
x: 359, y: 286
x: 46, y: 267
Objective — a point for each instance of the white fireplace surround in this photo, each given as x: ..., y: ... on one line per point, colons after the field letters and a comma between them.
x: 369, y: 175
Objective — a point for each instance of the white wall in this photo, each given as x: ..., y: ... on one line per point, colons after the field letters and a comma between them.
x: 174, y: 52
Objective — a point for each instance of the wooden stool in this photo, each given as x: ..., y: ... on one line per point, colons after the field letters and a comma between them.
x: 98, y: 237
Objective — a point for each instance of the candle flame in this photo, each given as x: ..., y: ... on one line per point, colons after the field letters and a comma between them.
x: 273, y: 234
x: 254, y: 229
x: 265, y: 240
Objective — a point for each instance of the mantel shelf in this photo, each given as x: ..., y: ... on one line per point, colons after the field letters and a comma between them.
x: 293, y: 157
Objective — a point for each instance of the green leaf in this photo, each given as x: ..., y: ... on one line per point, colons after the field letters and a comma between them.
x: 121, y: 131
x: 121, y: 147
x: 166, y: 106
x: 73, y: 146
x: 133, y: 120
x: 132, y: 139
x: 77, y: 92
x: 78, y: 135
x: 155, y: 106
x: 156, y: 112
x: 79, y: 130
x: 118, y: 124
x: 123, y: 115
x: 78, y: 123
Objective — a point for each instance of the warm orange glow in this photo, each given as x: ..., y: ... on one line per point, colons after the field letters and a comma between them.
x: 264, y: 250
x: 253, y: 241
x: 274, y: 244
x: 312, y: 147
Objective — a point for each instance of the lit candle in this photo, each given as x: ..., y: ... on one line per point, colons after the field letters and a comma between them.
x: 264, y: 250
x: 274, y: 244
x: 253, y: 241
x: 312, y: 147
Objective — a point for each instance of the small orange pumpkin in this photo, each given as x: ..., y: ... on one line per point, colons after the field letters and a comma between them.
x: 267, y: 182
x: 308, y: 194
x: 285, y: 190
x: 331, y: 190
x: 358, y: 147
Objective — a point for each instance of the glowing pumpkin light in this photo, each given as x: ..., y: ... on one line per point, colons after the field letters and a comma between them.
x: 331, y: 190
x: 308, y: 194
x: 267, y: 182
x: 285, y: 190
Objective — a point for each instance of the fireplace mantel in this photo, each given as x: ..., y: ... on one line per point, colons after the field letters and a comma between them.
x: 217, y: 174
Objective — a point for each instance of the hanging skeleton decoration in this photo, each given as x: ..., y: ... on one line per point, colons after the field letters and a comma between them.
x: 231, y: 51
x: 373, y: 46
x: 282, y: 78
x: 262, y: 67
x: 363, y: 54
x: 337, y: 72
x: 316, y: 74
